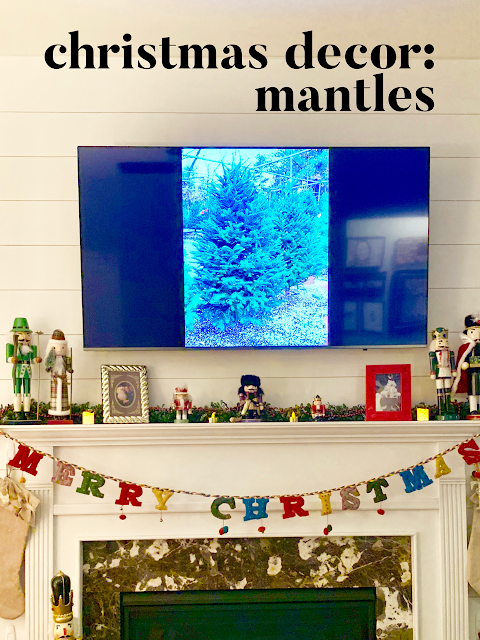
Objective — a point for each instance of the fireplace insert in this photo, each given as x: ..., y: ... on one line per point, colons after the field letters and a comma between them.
x: 270, y: 614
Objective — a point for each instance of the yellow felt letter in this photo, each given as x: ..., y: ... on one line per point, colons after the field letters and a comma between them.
x: 326, y: 506
x: 162, y: 497
x: 442, y: 468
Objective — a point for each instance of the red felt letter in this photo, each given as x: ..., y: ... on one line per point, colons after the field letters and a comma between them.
x: 26, y: 459
x: 470, y: 451
x: 293, y: 506
x: 129, y: 494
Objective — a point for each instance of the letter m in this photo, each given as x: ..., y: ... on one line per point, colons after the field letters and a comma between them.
x: 415, y: 479
x: 275, y: 98
x: 26, y: 459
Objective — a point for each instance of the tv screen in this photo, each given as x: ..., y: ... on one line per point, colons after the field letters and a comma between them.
x: 253, y: 247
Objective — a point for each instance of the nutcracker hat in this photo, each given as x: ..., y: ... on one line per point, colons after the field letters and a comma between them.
x: 58, y: 335
x: 20, y: 325
x: 440, y: 332
x: 472, y: 321
x: 61, y: 588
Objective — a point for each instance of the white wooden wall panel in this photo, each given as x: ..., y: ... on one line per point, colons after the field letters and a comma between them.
x: 39, y: 223
x: 59, y: 134
x: 40, y: 267
x: 28, y: 85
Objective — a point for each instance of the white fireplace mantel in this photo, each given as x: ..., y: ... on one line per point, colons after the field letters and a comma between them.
x: 255, y: 459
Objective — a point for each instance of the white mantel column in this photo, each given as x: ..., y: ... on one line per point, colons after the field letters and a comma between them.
x: 453, y: 545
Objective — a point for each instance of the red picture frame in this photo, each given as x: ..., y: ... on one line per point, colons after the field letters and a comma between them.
x: 388, y: 392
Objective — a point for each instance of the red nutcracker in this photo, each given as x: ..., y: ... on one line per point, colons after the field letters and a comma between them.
x: 468, y: 365
x: 182, y: 403
x: 318, y: 409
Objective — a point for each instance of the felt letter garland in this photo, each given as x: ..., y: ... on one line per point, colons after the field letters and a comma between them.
x: 162, y: 497
x: 129, y: 494
x: 91, y: 484
x: 350, y: 501
x: 415, y: 479
x: 256, y: 508
x: 26, y: 459
x: 376, y: 486
x: 470, y: 451
x: 326, y: 506
x: 293, y: 506
x: 215, y: 508
x: 64, y: 474
x: 441, y: 467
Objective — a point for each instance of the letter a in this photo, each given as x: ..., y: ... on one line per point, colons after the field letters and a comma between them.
x: 442, y: 468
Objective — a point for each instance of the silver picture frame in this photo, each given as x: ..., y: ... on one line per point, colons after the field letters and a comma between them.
x: 125, y: 393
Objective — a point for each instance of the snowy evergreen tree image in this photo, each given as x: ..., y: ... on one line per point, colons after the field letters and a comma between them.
x: 296, y: 218
x: 255, y: 247
x: 239, y: 268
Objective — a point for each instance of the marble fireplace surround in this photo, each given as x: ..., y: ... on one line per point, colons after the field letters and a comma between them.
x: 261, y: 459
x: 111, y: 567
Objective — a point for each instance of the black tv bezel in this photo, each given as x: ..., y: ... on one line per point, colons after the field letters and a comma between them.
x: 330, y: 243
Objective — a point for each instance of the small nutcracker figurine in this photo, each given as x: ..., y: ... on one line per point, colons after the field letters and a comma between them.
x: 468, y: 365
x: 21, y: 354
x: 442, y: 370
x: 318, y: 409
x: 182, y: 403
x: 62, y: 604
x: 250, y: 395
x: 58, y: 363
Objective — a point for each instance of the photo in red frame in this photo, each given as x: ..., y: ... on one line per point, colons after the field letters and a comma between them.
x: 388, y: 392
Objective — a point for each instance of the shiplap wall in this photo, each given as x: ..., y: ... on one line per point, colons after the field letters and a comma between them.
x: 46, y: 114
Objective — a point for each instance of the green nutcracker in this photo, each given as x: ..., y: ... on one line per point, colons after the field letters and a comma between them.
x: 21, y: 354
x: 442, y: 370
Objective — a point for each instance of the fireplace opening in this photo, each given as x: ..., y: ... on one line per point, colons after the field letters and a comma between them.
x: 270, y: 614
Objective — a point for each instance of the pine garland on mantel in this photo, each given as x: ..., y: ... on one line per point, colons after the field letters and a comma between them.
x: 223, y: 413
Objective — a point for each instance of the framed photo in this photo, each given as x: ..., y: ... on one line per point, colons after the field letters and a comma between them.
x: 365, y: 252
x: 124, y: 393
x: 408, y: 295
x: 389, y: 392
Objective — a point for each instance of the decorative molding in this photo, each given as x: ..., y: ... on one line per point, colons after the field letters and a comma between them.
x: 453, y: 560
x: 39, y: 568
x: 259, y: 433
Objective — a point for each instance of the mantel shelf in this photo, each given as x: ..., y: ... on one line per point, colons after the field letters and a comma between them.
x: 258, y: 433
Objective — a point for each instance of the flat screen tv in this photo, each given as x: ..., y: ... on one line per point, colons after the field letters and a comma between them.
x: 253, y: 247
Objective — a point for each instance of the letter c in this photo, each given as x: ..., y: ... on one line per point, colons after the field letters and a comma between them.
x: 216, y: 504
x: 49, y: 56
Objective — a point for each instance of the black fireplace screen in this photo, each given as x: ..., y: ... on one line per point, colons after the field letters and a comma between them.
x: 250, y: 614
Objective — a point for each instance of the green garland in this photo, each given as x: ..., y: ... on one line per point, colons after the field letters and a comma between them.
x: 223, y: 412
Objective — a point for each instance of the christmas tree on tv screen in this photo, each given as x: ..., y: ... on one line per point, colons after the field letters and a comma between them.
x: 255, y: 247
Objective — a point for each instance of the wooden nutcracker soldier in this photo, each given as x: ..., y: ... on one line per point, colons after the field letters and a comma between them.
x: 318, y: 409
x: 21, y: 353
x: 250, y: 395
x: 442, y: 370
x: 62, y: 604
x: 468, y: 366
x: 182, y: 403
x: 58, y: 363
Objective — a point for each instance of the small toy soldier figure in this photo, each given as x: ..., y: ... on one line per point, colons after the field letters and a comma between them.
x: 318, y: 409
x: 182, y: 403
x: 62, y: 604
x: 468, y: 366
x: 250, y: 394
x: 21, y: 354
x: 442, y: 369
x: 58, y: 363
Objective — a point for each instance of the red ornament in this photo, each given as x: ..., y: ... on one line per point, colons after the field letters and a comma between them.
x: 381, y: 512
x: 261, y: 529
x: 223, y: 531
x: 326, y: 531
x: 122, y: 516
x: 476, y: 474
